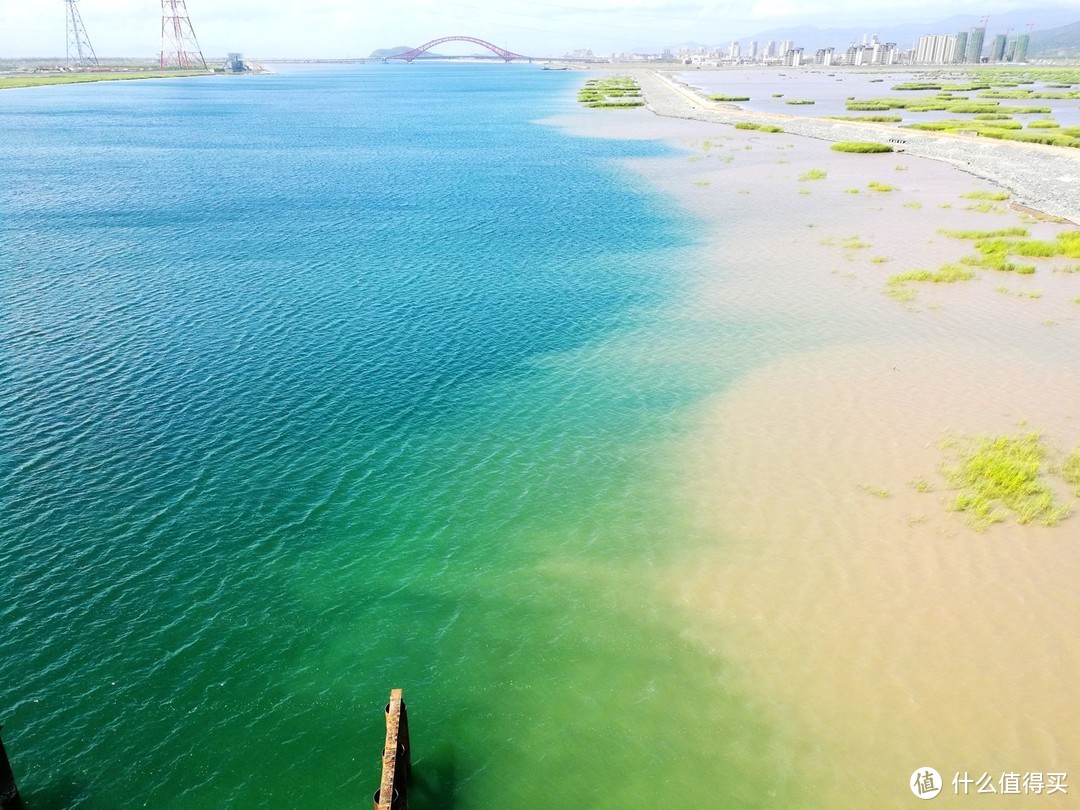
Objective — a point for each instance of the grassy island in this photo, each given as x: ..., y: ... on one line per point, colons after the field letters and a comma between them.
x: 614, y: 92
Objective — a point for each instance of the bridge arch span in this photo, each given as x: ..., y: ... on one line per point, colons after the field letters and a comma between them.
x: 505, y: 55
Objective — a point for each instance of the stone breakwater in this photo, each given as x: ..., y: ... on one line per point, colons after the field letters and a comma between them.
x: 1042, y: 177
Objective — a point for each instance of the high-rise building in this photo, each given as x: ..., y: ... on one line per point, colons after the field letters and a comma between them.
x: 961, y: 47
x: 975, y: 45
x: 785, y: 46
x: 751, y: 52
x: 770, y: 50
x: 734, y: 51
x: 936, y: 49
x: 1023, y: 42
x: 997, y: 49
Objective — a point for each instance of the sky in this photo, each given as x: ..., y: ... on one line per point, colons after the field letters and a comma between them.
x: 350, y: 28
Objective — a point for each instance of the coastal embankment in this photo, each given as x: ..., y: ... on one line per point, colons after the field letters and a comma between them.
x: 1042, y: 177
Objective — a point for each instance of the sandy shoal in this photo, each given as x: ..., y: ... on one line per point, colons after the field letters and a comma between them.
x: 880, y: 631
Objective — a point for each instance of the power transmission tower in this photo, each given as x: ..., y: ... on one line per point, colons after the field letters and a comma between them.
x: 79, y: 50
x: 179, y: 47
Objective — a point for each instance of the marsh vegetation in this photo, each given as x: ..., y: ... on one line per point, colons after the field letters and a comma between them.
x: 613, y: 92
x: 998, y: 477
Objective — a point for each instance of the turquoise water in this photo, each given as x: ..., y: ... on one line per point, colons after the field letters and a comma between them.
x: 312, y: 388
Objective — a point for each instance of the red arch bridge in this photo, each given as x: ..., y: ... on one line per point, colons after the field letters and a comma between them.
x: 502, y: 53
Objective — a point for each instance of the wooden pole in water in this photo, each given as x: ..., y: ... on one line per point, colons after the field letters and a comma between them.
x: 393, y: 793
x: 9, y: 792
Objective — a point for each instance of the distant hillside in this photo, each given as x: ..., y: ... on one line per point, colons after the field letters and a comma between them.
x: 382, y: 53
x: 1057, y: 43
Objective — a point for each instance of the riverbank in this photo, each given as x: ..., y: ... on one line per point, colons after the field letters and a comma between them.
x: 872, y: 627
x: 16, y: 81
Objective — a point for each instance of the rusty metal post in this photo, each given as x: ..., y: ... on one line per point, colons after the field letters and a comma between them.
x: 393, y: 792
x: 9, y: 792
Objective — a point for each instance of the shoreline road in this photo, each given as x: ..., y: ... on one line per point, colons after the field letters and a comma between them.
x: 1045, y: 178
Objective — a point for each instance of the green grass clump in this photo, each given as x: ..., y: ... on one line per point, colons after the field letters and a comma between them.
x: 999, y: 263
x: 616, y: 104
x: 1044, y: 125
x: 758, y: 127
x: 798, y: 101
x: 913, y: 204
x: 854, y: 243
x: 917, y: 86
x: 946, y: 274
x: 813, y: 174
x: 966, y: 125
x: 986, y: 195
x: 1070, y: 471
x: 874, y: 119
x: 1036, y: 248
x: 1000, y: 476
x: 984, y: 234
x: 777, y: 95
x: 883, y: 187
x: 992, y: 117
x: 729, y: 98
x: 993, y: 244
x: 1023, y: 95
x: 864, y: 147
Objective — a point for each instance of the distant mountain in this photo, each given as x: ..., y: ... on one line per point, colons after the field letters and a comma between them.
x: 382, y: 53
x: 1057, y: 43
x: 906, y: 35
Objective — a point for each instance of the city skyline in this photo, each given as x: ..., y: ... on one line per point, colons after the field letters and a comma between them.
x: 332, y: 28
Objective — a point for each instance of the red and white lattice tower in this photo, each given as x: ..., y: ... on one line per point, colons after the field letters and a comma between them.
x: 179, y: 47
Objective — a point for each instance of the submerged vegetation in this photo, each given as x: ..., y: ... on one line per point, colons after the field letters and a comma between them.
x: 814, y: 174
x: 625, y: 91
x: 722, y: 97
x: 1002, y: 476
